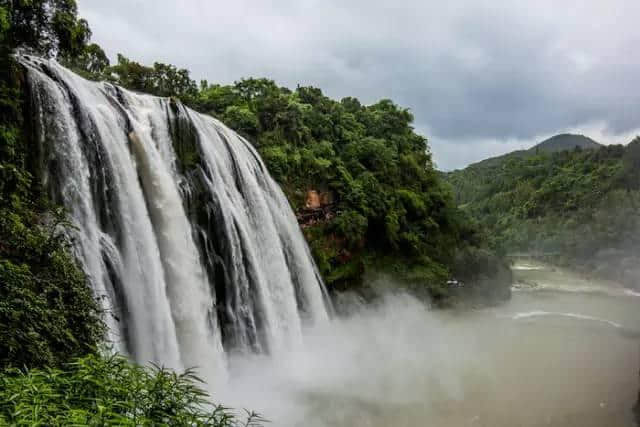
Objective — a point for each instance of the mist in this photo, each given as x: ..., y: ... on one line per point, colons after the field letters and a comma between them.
x: 399, y: 363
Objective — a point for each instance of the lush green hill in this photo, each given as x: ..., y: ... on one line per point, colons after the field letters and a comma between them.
x: 561, y: 142
x: 584, y: 204
x: 565, y: 141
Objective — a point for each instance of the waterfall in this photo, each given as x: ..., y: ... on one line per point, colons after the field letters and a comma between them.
x: 189, y: 244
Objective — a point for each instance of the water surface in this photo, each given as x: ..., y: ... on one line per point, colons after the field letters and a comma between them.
x: 563, y: 352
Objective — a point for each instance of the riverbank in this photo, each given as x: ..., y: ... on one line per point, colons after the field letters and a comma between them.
x: 534, y: 275
x: 613, y: 266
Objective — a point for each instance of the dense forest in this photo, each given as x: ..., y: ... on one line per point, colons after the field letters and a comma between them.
x: 581, y: 204
x: 377, y: 196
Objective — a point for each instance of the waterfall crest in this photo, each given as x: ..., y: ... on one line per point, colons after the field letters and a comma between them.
x: 190, y: 245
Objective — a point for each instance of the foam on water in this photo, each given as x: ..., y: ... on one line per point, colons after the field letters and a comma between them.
x: 542, y: 313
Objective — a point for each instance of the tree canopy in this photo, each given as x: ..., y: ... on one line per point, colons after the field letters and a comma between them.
x: 580, y: 203
x: 46, y: 27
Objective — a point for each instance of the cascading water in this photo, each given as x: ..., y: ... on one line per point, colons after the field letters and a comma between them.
x: 187, y: 241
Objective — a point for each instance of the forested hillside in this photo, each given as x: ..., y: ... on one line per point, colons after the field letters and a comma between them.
x: 565, y: 141
x: 582, y: 204
x: 562, y: 142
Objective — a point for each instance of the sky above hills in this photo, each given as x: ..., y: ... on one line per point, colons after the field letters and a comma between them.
x: 481, y: 77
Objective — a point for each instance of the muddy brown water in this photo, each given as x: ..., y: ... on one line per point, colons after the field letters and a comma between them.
x: 563, y: 352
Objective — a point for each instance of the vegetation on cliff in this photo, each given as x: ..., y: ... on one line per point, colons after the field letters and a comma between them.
x: 47, y: 312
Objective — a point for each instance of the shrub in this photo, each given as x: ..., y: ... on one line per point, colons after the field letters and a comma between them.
x: 47, y: 310
x: 107, y: 391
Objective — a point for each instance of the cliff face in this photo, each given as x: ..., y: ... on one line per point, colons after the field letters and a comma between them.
x: 318, y: 208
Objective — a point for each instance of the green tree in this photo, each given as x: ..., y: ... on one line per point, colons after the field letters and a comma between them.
x: 47, y: 27
x: 161, y: 79
x: 92, y: 62
x: 630, y: 172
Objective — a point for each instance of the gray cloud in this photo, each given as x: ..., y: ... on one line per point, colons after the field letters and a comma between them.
x: 478, y: 76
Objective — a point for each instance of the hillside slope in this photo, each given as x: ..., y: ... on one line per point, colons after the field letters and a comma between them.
x: 565, y: 141
x: 584, y: 204
x: 561, y: 142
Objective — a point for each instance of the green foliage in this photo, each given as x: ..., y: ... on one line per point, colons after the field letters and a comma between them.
x: 561, y: 142
x: 110, y: 391
x: 91, y: 63
x: 352, y: 225
x: 47, y: 311
x: 161, y: 79
x: 576, y: 202
x: 47, y: 27
x: 4, y: 23
x: 629, y: 176
x: 241, y: 119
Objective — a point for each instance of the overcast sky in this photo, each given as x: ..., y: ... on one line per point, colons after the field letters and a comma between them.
x: 481, y: 77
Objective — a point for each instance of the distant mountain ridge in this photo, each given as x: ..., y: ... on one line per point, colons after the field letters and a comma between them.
x: 566, y: 141
x: 560, y: 142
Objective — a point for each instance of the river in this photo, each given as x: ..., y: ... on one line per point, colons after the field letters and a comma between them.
x: 564, y: 351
